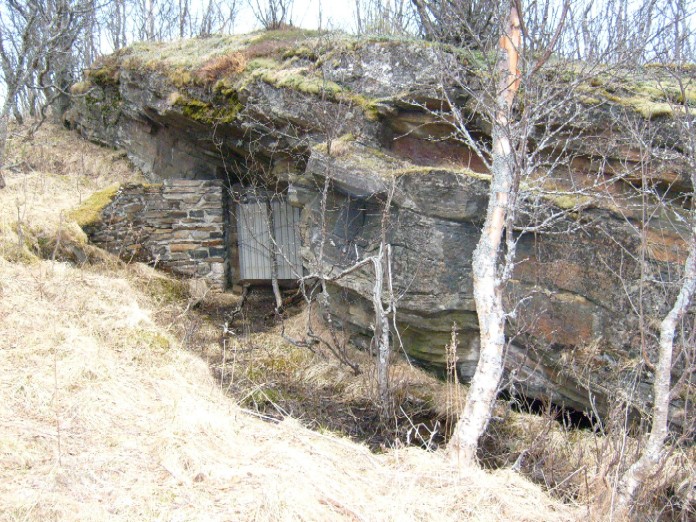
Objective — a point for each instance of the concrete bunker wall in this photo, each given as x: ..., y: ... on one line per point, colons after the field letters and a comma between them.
x: 178, y: 225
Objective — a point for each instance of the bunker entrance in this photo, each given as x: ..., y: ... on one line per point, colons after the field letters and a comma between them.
x: 263, y: 238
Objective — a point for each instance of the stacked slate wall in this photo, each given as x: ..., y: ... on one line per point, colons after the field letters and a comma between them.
x: 178, y: 225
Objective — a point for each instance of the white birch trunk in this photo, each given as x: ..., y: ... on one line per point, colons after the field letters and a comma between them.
x: 4, y: 122
x: 273, y: 254
x: 640, y: 471
x: 381, y: 336
x: 150, y: 20
x: 486, y: 277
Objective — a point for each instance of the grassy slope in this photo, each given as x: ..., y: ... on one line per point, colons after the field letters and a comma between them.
x: 105, y: 416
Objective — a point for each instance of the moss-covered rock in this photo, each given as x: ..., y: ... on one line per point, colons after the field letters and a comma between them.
x: 89, y: 213
x: 208, y: 112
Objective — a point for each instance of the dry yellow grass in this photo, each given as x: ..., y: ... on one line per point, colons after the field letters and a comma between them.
x: 49, y: 176
x: 105, y: 417
x: 219, y: 66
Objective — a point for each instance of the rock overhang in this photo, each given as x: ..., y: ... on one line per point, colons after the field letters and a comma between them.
x: 295, y: 110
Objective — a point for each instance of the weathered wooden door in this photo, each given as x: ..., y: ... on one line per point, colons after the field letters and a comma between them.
x: 259, y: 241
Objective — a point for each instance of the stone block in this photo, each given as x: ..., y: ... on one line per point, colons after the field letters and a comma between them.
x: 176, y: 183
x: 193, y: 228
x: 183, y: 247
x: 203, y: 269
x: 200, y: 234
x: 177, y: 256
x: 132, y: 208
x: 217, y: 268
x: 185, y: 270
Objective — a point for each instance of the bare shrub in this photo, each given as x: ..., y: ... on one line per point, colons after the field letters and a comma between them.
x: 272, y: 14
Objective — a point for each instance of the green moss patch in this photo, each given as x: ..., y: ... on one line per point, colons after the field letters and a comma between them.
x: 300, y: 80
x: 105, y: 71
x: 262, y: 63
x: 148, y: 340
x: 568, y: 201
x: 80, y: 87
x: 209, y: 113
x: 308, y: 81
x: 461, y: 171
x: 646, y: 93
x: 166, y: 290
x: 18, y: 253
x: 90, y: 212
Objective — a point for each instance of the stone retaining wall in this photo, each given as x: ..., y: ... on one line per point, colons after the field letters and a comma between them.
x: 178, y: 225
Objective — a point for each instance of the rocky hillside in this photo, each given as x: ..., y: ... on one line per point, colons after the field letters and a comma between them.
x: 297, y: 112
x: 110, y: 412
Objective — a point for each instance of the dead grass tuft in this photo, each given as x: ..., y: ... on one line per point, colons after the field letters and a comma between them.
x: 222, y: 67
x: 80, y: 88
x: 266, y: 49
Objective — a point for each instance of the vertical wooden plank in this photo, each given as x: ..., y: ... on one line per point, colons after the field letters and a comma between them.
x: 278, y: 233
x: 255, y: 241
x: 251, y: 245
x: 287, y: 223
x: 256, y: 238
x: 248, y: 245
x: 241, y: 241
x: 280, y: 220
x: 243, y: 231
x: 296, y: 259
x: 262, y: 242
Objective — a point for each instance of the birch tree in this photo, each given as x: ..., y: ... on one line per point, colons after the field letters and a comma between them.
x: 35, y: 40
x: 272, y: 14
x: 653, y: 452
x: 487, y: 279
x: 664, y: 389
x: 470, y: 23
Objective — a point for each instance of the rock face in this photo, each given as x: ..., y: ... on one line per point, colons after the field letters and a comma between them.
x: 339, y: 124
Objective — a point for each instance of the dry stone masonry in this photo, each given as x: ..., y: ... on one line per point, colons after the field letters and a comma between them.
x: 178, y: 225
